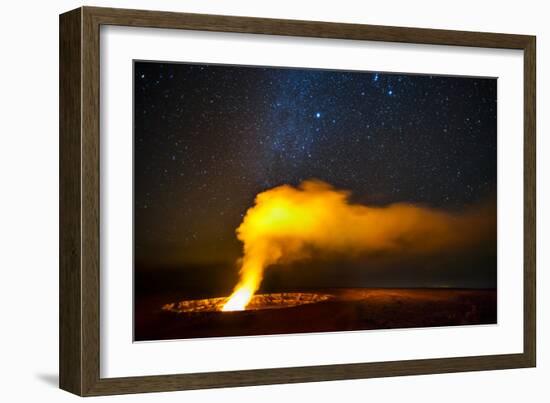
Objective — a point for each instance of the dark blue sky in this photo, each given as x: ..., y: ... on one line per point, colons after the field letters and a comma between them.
x: 208, y: 138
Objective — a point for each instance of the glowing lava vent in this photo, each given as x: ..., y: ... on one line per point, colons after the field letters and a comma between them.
x: 257, y: 302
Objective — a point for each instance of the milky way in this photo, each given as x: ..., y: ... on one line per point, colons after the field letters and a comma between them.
x: 208, y: 138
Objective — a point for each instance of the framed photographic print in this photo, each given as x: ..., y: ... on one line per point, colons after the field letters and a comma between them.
x: 250, y: 201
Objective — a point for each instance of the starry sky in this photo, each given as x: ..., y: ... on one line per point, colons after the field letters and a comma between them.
x: 208, y: 138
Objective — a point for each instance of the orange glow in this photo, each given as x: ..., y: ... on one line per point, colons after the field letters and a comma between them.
x: 288, y: 223
x: 239, y: 299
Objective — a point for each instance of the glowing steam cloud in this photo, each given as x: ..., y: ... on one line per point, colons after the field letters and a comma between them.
x: 288, y: 223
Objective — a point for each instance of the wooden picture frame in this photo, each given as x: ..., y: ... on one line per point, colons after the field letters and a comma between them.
x: 79, y: 201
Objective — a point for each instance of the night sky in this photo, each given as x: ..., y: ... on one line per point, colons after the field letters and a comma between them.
x: 208, y: 138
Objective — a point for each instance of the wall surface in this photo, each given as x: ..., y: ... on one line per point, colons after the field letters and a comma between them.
x: 29, y: 198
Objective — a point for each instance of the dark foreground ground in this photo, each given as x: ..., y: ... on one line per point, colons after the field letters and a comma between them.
x: 350, y: 309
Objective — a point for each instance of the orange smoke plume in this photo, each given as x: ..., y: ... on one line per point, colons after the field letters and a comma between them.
x: 288, y: 223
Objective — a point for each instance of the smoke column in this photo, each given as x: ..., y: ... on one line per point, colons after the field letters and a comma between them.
x: 288, y: 223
